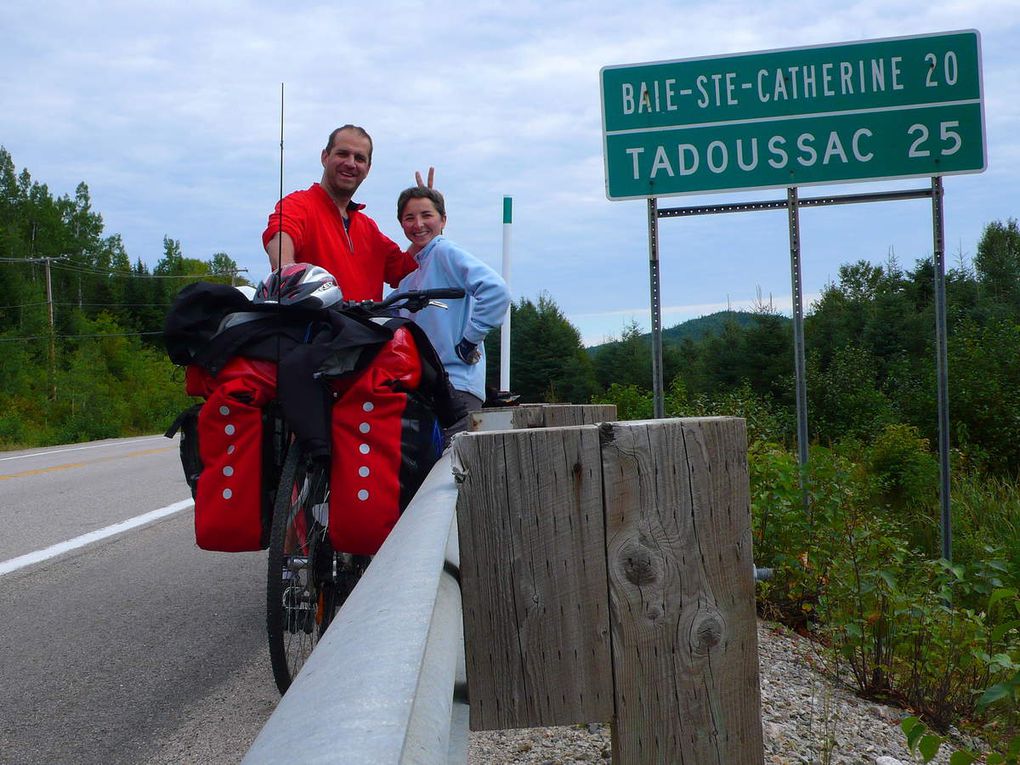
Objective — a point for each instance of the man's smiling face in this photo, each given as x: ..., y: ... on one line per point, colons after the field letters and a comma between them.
x: 346, y: 164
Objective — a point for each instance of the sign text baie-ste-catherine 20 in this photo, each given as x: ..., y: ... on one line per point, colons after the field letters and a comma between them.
x: 878, y: 109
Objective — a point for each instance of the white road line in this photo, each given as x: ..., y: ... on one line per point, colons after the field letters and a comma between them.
x: 53, y: 551
x: 77, y: 448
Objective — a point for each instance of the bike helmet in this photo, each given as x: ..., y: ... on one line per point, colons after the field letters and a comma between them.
x: 299, y: 284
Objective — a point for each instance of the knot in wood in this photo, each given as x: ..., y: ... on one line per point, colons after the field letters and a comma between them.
x: 607, y: 433
x: 707, y: 633
x: 638, y: 564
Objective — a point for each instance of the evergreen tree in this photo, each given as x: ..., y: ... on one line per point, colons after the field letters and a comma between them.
x: 998, y: 264
x: 547, y: 360
x: 627, y: 361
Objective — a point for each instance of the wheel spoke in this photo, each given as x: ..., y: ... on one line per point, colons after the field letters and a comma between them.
x: 307, y: 582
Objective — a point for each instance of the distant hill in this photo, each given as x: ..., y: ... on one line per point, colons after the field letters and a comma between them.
x: 695, y: 329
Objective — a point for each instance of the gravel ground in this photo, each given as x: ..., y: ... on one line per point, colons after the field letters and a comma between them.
x: 801, y: 710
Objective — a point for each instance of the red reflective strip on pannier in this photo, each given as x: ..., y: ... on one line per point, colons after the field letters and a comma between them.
x: 364, y: 499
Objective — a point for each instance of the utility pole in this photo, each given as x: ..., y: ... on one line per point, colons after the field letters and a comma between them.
x: 49, y: 309
x: 53, y: 347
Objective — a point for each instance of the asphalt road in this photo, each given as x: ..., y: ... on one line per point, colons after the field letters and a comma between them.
x: 138, y: 648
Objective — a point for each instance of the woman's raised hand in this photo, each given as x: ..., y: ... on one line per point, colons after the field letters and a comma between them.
x: 431, y: 177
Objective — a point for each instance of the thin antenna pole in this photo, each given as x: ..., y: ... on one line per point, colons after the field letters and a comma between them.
x: 279, y: 217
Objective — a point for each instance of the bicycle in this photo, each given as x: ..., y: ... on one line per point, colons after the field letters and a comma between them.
x: 307, y: 580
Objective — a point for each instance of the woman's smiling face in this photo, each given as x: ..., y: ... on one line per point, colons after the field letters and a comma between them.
x: 421, y: 221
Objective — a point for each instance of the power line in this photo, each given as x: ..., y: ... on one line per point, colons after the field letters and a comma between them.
x: 74, y: 337
x: 29, y: 305
x: 92, y: 305
x: 80, y: 269
x: 132, y: 275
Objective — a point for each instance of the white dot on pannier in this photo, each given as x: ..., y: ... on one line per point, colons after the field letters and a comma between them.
x: 228, y: 471
x: 229, y: 430
x: 224, y: 410
x: 368, y: 406
x: 227, y: 494
x: 363, y: 495
x: 364, y: 427
x: 363, y: 471
x: 231, y: 448
x: 363, y: 449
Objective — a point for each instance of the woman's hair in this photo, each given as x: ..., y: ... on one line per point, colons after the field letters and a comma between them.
x: 421, y: 192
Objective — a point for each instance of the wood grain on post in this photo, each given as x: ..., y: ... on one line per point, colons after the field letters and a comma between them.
x: 681, y: 588
x: 533, y: 573
x: 529, y: 416
x: 562, y: 415
x: 558, y: 415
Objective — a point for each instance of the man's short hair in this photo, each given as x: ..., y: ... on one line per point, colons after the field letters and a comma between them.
x: 421, y: 192
x: 359, y: 130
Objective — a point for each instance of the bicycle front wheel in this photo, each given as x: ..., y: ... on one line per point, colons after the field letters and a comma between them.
x: 302, y: 593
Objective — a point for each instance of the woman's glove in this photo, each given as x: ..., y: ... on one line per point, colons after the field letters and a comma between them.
x: 468, y: 352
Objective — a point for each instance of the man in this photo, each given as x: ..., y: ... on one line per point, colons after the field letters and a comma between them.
x: 323, y: 226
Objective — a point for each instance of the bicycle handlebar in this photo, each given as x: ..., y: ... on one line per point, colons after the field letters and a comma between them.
x: 443, y: 293
x: 411, y: 300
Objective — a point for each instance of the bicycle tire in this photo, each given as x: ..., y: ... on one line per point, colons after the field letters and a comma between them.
x: 302, y: 588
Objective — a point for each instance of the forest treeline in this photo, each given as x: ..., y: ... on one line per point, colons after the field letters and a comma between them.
x: 81, y: 351
x: 870, y: 346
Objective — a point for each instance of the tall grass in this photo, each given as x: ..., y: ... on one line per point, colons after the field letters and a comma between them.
x: 985, y: 512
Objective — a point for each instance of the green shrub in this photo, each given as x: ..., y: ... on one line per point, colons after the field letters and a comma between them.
x: 782, y: 534
x: 902, y: 626
x: 905, y: 470
x: 986, y: 507
x: 764, y: 420
x: 632, y: 403
x: 958, y: 633
x: 866, y: 569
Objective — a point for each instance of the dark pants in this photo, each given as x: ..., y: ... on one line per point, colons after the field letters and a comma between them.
x: 470, y: 402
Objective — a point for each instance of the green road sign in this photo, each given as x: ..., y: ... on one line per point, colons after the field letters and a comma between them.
x: 878, y: 109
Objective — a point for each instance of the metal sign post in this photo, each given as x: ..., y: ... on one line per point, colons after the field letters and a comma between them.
x: 658, y: 397
x: 941, y: 361
x: 799, y: 363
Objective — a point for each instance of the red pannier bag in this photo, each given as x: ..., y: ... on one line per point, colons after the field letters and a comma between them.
x: 230, y: 512
x: 384, y: 441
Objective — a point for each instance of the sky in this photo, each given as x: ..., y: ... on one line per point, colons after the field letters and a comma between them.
x: 170, y: 113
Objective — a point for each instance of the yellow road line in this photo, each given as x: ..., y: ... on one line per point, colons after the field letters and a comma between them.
x: 40, y: 471
x: 70, y: 465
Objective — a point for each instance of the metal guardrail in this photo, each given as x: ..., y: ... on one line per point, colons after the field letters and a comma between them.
x: 380, y: 686
x: 387, y: 683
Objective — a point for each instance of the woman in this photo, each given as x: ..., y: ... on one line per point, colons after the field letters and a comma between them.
x: 456, y: 333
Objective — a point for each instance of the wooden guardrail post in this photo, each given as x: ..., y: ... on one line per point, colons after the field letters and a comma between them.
x: 540, y: 416
x: 607, y: 575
